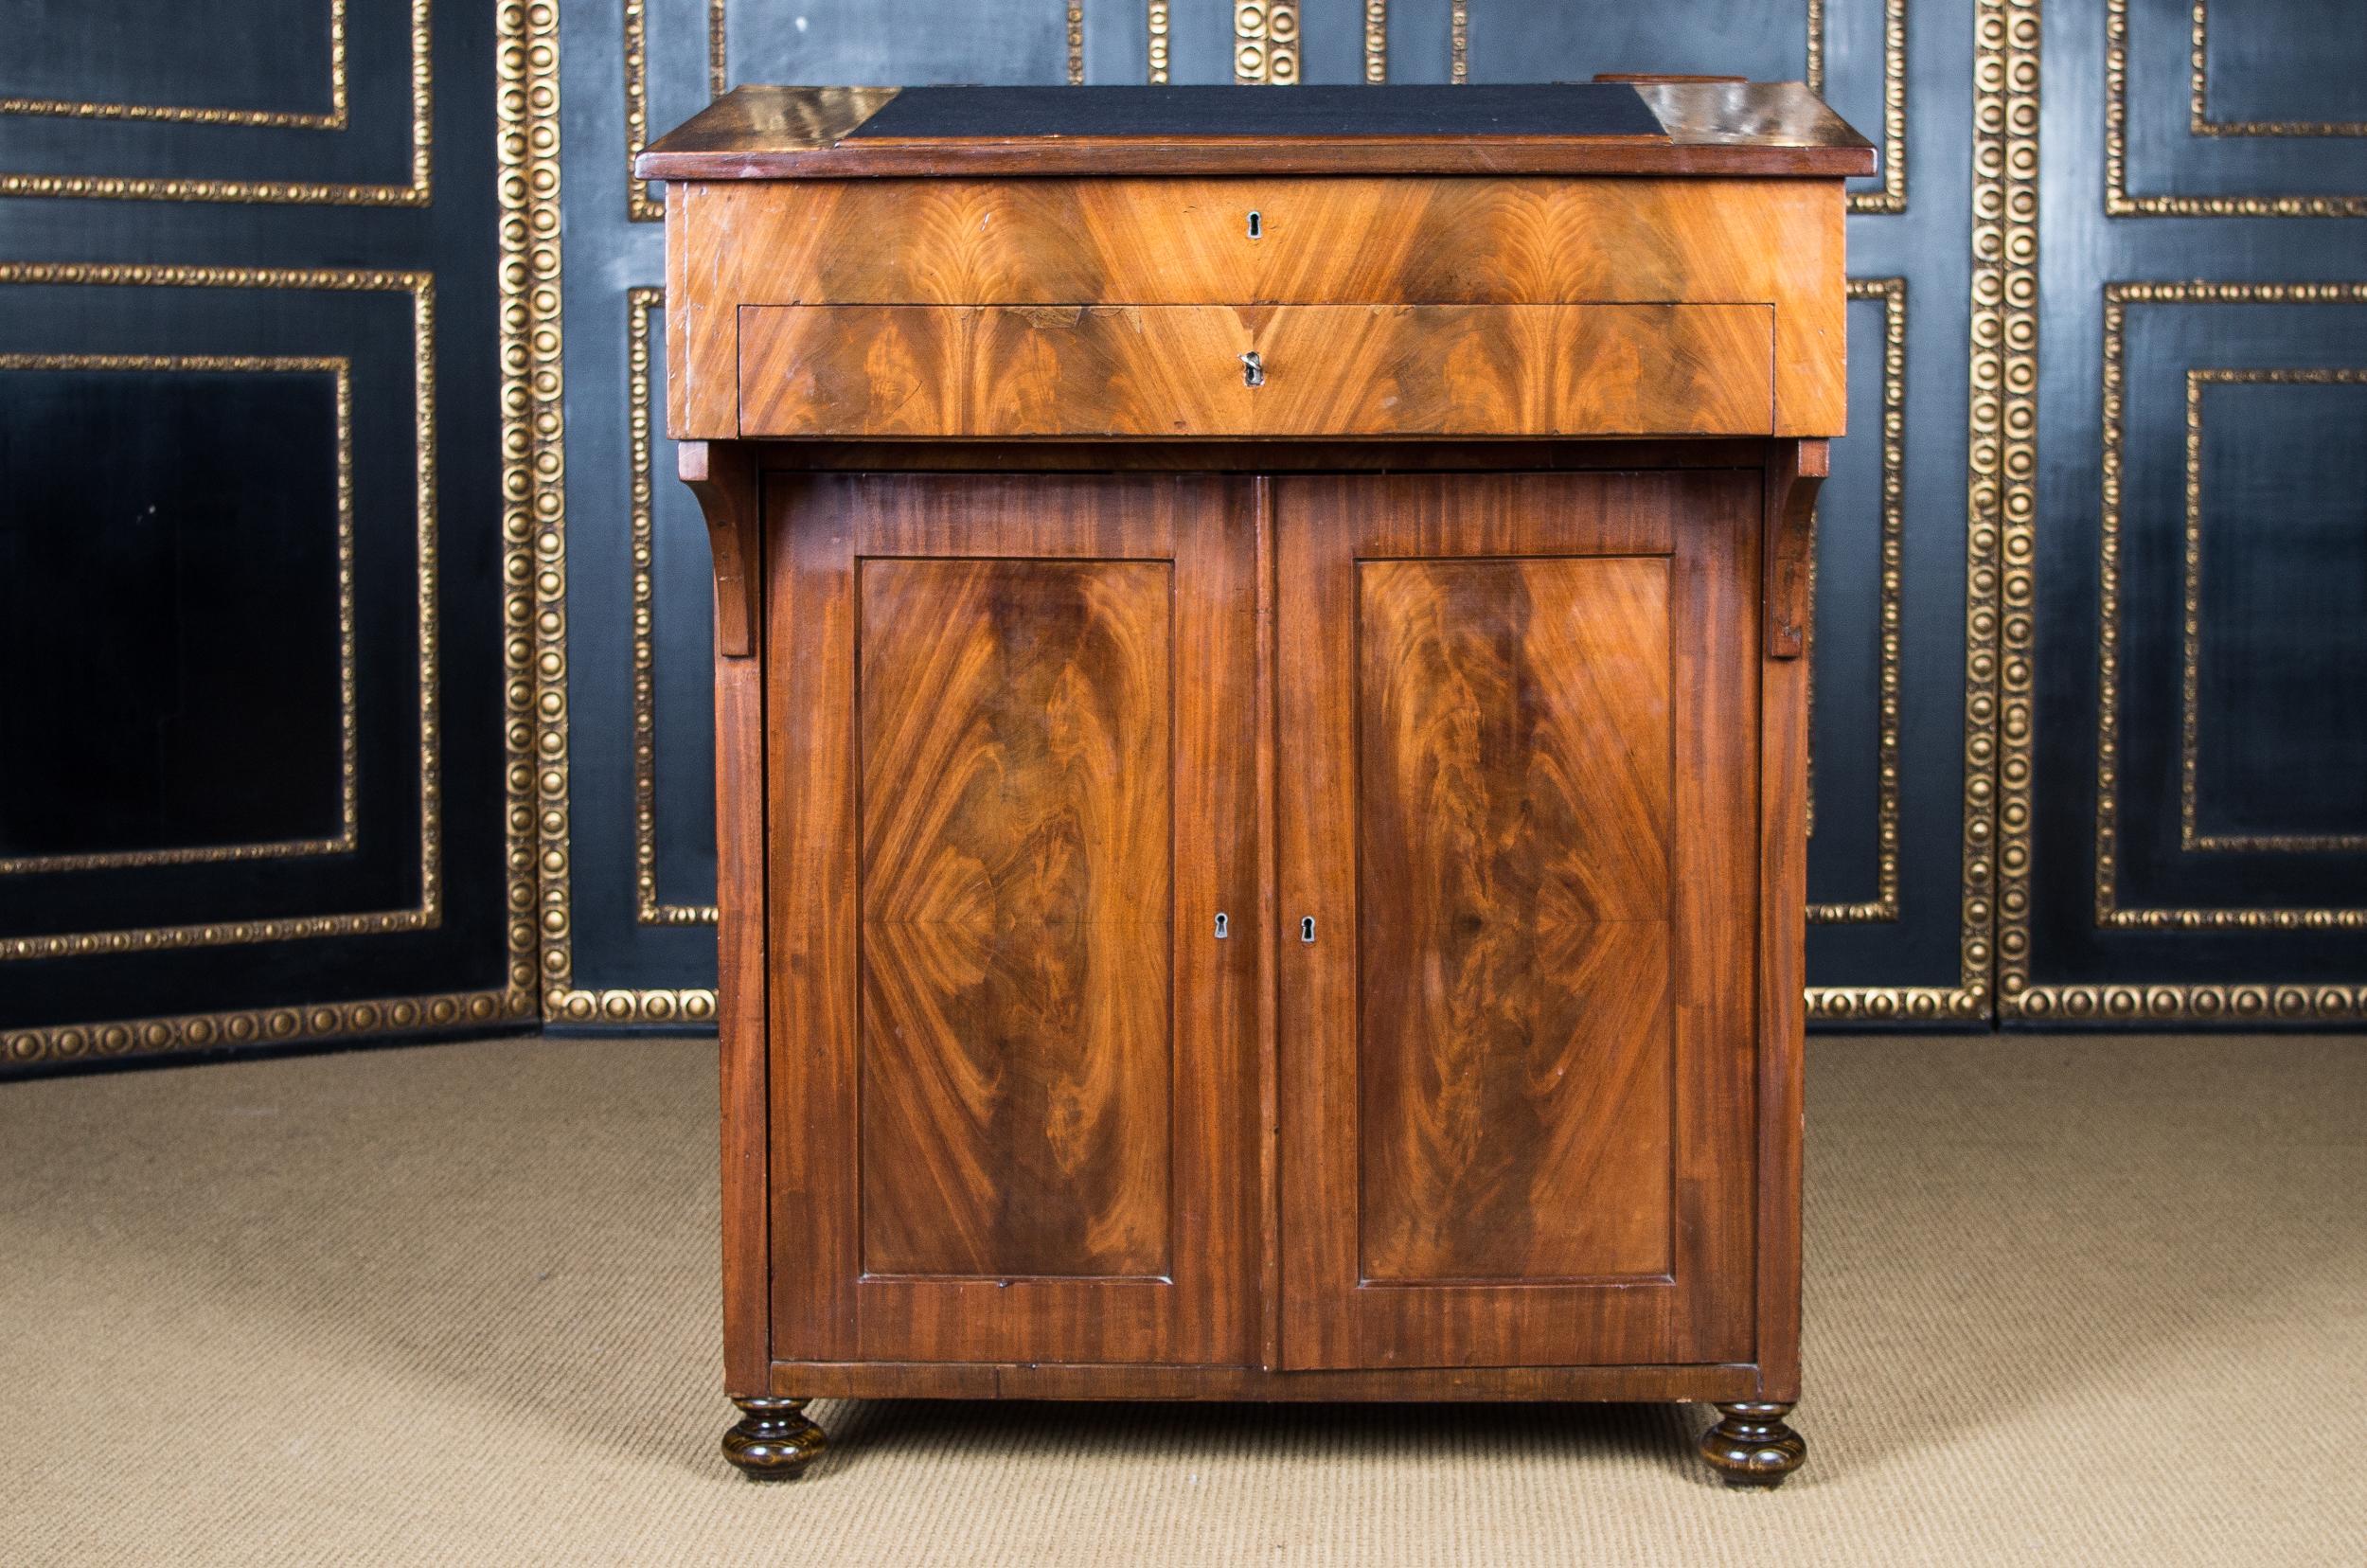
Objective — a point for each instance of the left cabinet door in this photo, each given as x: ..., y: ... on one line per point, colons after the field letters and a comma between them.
x: 1012, y: 742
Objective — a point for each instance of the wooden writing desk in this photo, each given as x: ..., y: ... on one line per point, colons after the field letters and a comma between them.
x: 1260, y: 736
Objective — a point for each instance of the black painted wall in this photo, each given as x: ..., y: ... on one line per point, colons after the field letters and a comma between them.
x: 254, y: 773
x: 2092, y: 572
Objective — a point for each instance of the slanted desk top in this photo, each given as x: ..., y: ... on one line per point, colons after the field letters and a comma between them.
x: 1737, y: 128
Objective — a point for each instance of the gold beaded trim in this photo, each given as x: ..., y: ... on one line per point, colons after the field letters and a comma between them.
x: 528, y: 78
x: 2110, y: 913
x: 642, y: 304
x: 2120, y: 203
x: 1888, y: 614
x: 421, y: 286
x: 2199, y: 120
x: 348, y: 770
x: 416, y: 191
x: 336, y: 119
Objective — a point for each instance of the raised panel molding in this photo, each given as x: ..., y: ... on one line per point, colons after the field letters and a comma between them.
x: 1889, y: 620
x: 349, y: 784
x: 2120, y: 200
x: 417, y: 139
x: 2202, y: 123
x: 427, y: 912
x: 2110, y: 911
x: 2191, y: 835
x: 645, y: 310
x: 502, y: 207
x: 335, y: 117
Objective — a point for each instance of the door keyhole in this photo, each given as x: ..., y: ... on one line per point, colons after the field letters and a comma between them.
x: 1306, y: 928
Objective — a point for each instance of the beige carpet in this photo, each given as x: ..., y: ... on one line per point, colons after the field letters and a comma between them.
x: 2070, y: 1301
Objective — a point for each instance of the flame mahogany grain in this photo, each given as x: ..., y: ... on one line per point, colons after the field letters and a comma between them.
x: 1177, y: 371
x: 1470, y: 635
x: 1071, y: 244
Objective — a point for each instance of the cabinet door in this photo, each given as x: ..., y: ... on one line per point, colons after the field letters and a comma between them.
x: 1517, y: 736
x: 1012, y: 740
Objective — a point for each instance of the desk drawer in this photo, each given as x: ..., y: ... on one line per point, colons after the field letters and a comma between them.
x: 1168, y: 370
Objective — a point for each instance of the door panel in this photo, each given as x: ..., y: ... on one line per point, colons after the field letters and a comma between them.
x: 1513, y: 834
x: 1015, y: 831
x: 1015, y: 742
x: 1517, y: 1065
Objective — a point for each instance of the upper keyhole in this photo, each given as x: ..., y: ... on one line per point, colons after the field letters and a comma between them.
x: 1257, y: 227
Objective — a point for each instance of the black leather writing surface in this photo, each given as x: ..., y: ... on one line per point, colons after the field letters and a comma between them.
x: 1568, y: 109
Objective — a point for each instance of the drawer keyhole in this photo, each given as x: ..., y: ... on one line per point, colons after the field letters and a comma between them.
x: 1306, y: 928
x: 1221, y: 926
x: 1257, y: 227
x: 1252, y: 370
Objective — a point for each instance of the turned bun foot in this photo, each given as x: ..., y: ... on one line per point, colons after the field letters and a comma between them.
x: 1751, y: 1447
x: 773, y: 1440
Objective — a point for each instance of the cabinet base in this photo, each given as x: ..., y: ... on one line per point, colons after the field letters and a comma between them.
x: 1753, y: 1447
x: 773, y: 1440
x: 1693, y: 1383
x: 1750, y: 1446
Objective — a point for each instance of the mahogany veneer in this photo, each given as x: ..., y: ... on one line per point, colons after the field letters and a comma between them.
x: 1260, y: 738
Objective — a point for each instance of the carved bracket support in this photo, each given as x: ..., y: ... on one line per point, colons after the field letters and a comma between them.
x: 722, y: 474
x: 1787, y: 541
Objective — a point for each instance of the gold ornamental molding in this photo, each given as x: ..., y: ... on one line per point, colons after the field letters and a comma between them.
x: 534, y: 648
x: 348, y: 794
x: 416, y: 191
x: 2109, y: 912
x: 288, y: 1025
x: 719, y: 48
x: 1889, y: 616
x: 2001, y: 513
x: 428, y: 912
x: 562, y: 1000
x: 2119, y: 1002
x: 2191, y: 835
x: 2120, y: 202
x: 642, y: 205
x: 644, y: 306
x: 2002, y: 588
x: 2199, y: 123
x: 1155, y: 52
x: 1266, y: 42
x: 526, y: 66
x: 1892, y: 198
x: 334, y: 119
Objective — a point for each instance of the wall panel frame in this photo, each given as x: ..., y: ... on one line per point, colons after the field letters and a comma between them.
x: 124, y: 130
x: 624, y: 916
x: 461, y: 276
x: 2115, y: 908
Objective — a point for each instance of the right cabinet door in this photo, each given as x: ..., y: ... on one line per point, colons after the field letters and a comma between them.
x: 1518, y: 748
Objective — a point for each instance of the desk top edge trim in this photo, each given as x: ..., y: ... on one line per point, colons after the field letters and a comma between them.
x: 1711, y: 129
